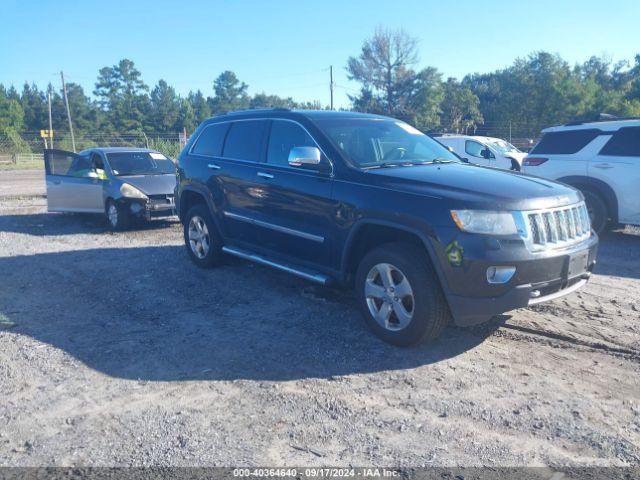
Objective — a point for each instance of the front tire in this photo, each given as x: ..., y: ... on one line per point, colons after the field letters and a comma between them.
x: 400, y: 295
x: 597, y: 209
x: 200, y: 238
x: 118, y: 217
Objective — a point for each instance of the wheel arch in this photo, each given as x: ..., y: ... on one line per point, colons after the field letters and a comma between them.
x: 597, y: 186
x: 190, y: 196
x: 369, y: 233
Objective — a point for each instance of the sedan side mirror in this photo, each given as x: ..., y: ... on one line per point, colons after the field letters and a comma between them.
x: 299, y: 156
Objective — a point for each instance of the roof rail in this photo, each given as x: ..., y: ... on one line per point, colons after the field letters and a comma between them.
x: 602, y: 117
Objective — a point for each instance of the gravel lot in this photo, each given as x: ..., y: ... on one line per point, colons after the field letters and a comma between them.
x: 115, y: 350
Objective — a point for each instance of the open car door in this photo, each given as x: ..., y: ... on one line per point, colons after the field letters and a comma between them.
x: 72, y: 185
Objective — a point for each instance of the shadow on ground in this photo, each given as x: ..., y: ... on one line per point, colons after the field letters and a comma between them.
x: 147, y: 313
x: 41, y: 224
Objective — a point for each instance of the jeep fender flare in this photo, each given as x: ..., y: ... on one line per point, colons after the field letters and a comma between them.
x: 204, y: 193
x: 426, y: 241
x: 597, y: 186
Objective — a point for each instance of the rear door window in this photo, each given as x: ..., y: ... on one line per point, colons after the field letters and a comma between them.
x: 211, y: 140
x: 566, y: 142
x: 624, y: 143
x: 245, y: 140
x: 284, y: 136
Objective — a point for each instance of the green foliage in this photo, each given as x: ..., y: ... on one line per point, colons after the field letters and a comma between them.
x: 534, y: 92
x: 165, y: 108
x: 460, y: 108
x: 230, y: 93
x: 13, y: 142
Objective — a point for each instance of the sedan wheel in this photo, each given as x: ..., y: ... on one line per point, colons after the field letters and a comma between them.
x: 389, y: 296
x: 199, y: 240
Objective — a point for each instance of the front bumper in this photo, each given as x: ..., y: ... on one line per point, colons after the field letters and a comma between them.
x: 156, y: 206
x: 539, y: 278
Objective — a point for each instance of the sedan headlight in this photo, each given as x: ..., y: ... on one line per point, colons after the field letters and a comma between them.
x: 130, y: 191
x: 485, y: 221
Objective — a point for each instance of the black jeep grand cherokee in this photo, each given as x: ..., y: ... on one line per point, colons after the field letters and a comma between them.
x: 370, y: 202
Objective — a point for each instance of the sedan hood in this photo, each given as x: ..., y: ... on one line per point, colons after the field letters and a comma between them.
x: 476, y: 187
x: 152, y: 184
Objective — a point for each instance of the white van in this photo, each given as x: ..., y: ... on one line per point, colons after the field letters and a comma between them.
x: 486, y: 151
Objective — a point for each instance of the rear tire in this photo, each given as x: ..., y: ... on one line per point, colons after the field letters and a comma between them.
x: 118, y: 217
x: 407, y: 307
x: 597, y: 209
x: 200, y: 237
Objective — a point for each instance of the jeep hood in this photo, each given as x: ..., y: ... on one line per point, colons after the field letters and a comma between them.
x: 476, y: 187
x: 152, y: 184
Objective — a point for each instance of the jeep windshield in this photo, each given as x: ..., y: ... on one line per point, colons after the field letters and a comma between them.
x: 375, y: 143
x: 140, y: 163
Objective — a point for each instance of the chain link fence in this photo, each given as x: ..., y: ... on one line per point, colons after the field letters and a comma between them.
x: 24, y: 149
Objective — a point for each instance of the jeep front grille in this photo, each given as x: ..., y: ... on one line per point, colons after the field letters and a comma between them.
x: 557, y: 227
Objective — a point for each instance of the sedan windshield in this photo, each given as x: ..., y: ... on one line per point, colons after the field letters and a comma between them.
x: 371, y: 142
x: 140, y: 163
x: 503, y: 147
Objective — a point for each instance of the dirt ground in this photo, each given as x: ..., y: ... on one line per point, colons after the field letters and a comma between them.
x: 116, y: 350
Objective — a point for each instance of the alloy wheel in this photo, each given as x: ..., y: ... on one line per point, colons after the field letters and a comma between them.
x: 389, y: 296
x: 199, y: 240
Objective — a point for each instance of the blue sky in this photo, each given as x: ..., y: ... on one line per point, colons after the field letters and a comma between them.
x: 285, y: 46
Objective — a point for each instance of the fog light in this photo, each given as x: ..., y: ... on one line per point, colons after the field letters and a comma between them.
x: 500, y: 274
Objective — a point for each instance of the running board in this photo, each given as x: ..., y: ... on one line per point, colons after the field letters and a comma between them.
x: 314, y: 277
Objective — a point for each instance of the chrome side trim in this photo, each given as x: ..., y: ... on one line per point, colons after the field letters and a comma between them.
x: 277, y: 228
x: 314, y: 277
x: 559, y: 293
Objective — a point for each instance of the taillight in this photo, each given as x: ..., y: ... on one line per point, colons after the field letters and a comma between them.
x: 534, y: 161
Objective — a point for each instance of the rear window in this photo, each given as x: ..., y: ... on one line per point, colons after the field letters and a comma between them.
x: 567, y: 142
x: 211, y: 139
x: 624, y: 143
x: 245, y: 139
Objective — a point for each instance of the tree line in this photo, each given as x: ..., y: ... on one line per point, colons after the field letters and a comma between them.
x: 536, y: 91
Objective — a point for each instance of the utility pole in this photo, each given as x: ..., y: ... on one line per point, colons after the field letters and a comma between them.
x: 66, y: 102
x: 331, y: 85
x: 50, y: 122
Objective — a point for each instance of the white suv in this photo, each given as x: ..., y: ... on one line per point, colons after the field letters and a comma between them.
x: 602, y: 159
x: 487, y: 151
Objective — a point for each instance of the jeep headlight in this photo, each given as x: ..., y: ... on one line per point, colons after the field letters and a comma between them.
x: 130, y: 191
x: 485, y: 221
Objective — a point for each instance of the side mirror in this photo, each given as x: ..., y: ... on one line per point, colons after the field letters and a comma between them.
x: 299, y: 156
x: 486, y: 153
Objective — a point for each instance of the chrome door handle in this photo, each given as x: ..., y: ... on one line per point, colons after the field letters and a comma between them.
x: 265, y: 175
x: 603, y: 165
x: 213, y: 166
